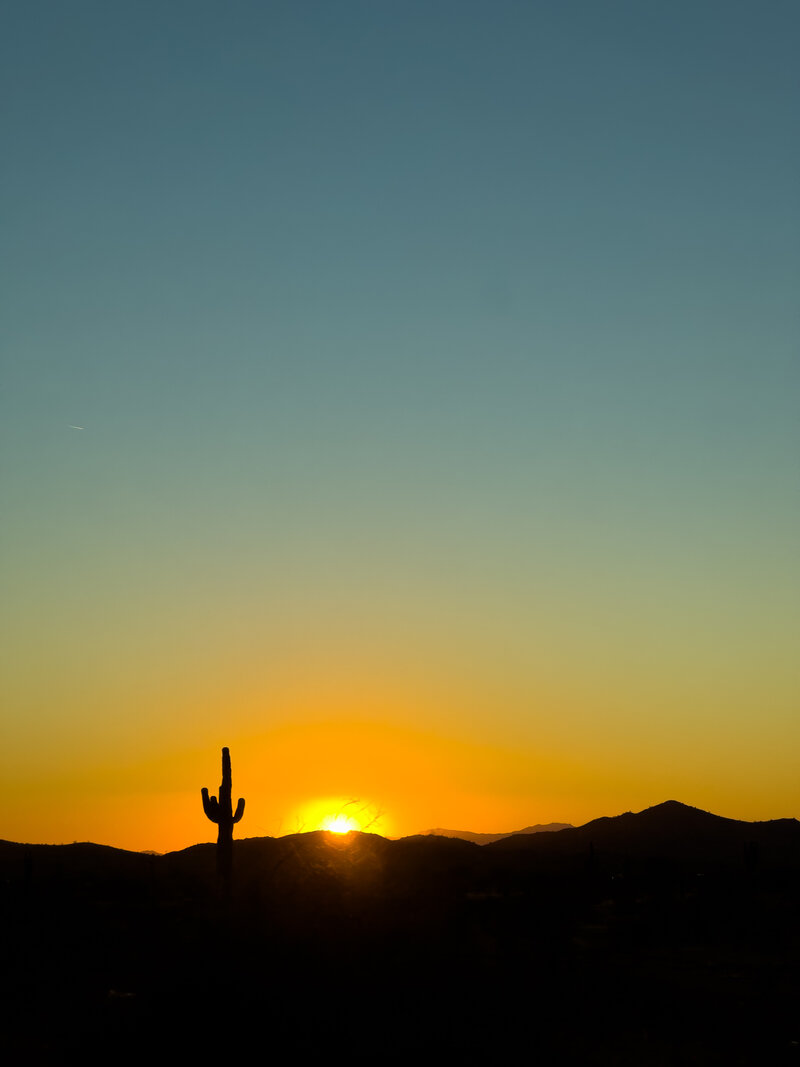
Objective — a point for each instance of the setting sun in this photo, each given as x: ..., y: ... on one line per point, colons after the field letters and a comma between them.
x: 339, y: 815
x: 339, y: 823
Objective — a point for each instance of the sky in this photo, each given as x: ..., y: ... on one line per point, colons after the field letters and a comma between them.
x: 404, y: 395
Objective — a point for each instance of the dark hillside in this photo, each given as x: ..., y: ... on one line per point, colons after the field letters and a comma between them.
x: 670, y: 936
x: 670, y: 831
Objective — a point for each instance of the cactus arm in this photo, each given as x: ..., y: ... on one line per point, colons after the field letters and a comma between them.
x: 239, y: 809
x: 210, y: 806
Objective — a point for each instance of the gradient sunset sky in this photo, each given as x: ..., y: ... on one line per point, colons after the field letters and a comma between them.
x: 405, y: 395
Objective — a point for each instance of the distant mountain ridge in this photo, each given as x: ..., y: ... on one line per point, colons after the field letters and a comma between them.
x: 486, y: 839
x: 670, y: 831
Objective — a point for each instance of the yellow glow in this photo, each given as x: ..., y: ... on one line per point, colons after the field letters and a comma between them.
x: 336, y: 814
x: 339, y: 823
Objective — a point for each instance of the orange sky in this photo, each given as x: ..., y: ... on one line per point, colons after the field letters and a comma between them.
x: 395, y: 779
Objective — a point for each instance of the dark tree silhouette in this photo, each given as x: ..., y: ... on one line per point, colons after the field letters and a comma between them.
x: 221, y: 812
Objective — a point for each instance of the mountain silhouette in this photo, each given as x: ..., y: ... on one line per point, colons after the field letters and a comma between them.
x: 669, y: 831
x: 632, y: 940
x: 485, y: 839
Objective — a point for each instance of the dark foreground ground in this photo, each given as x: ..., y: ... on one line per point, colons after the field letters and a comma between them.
x: 424, y: 949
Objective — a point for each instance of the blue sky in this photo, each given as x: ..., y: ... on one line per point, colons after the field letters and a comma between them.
x: 462, y: 334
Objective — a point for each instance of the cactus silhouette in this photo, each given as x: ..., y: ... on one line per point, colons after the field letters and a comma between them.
x: 220, y: 812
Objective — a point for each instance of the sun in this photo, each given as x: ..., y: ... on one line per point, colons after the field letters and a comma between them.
x: 339, y: 815
x: 339, y: 823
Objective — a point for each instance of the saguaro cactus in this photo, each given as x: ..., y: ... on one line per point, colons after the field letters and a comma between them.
x: 220, y: 812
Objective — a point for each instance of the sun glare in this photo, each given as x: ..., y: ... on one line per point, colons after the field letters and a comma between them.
x: 339, y: 815
x: 339, y: 823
